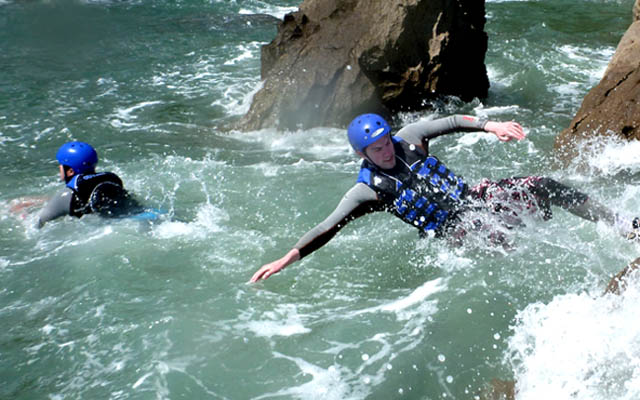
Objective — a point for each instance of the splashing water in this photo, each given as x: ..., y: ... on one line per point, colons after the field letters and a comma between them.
x: 122, y: 309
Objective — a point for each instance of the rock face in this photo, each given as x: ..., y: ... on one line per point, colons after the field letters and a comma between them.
x: 612, y: 108
x: 618, y: 283
x: 334, y: 59
x: 636, y: 11
x: 499, y: 390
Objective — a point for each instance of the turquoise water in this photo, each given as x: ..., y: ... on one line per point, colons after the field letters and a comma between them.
x: 135, y: 310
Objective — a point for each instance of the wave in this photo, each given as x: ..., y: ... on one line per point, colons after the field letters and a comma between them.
x: 578, y: 346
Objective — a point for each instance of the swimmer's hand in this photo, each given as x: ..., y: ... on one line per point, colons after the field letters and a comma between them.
x: 24, y: 205
x: 276, y: 266
x: 505, y: 131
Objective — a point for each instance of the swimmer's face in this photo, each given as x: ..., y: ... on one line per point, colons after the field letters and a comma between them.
x: 382, y: 153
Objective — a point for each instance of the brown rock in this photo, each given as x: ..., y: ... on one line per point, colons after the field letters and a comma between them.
x: 499, y: 390
x: 334, y: 59
x: 636, y: 10
x: 619, y: 282
x: 612, y: 108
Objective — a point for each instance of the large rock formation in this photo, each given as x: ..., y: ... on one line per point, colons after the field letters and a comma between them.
x: 334, y: 59
x: 499, y: 390
x: 618, y: 283
x: 612, y: 108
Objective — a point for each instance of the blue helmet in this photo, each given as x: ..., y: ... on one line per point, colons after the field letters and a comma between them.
x: 78, y: 155
x: 366, y: 129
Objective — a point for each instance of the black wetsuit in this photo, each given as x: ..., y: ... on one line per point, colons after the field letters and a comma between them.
x: 102, y: 193
x: 508, y: 196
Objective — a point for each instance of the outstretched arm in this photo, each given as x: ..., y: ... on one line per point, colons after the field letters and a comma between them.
x: 419, y: 133
x: 505, y: 131
x: 58, y: 206
x: 274, y: 267
x: 358, y: 201
x: 24, y: 205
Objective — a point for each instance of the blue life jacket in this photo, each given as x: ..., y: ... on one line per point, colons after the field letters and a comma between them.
x: 101, y: 193
x: 420, y: 189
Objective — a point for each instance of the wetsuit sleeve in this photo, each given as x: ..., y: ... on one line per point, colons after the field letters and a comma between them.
x: 423, y: 131
x: 358, y: 201
x: 58, y: 206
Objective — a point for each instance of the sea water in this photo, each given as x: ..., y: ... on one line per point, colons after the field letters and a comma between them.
x: 95, y: 309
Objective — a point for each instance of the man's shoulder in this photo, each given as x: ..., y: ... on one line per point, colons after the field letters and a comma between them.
x: 360, y: 193
x: 364, y: 176
x: 63, y: 193
x: 98, y: 177
x: 58, y: 205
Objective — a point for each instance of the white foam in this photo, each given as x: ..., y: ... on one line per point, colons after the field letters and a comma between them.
x: 47, y: 329
x: 278, y: 12
x: 473, y: 138
x: 413, y: 305
x: 209, y: 220
x: 617, y: 156
x: 325, y: 383
x: 141, y: 380
x: 126, y: 113
x: 576, y: 70
x: 245, y: 53
x: 416, y: 297
x: 236, y: 103
x: 608, y: 156
x: 284, y: 320
x: 578, y: 347
x: 594, y: 57
x: 321, y: 143
x: 483, y: 111
x: 126, y: 118
x: 49, y: 247
x: 444, y: 256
